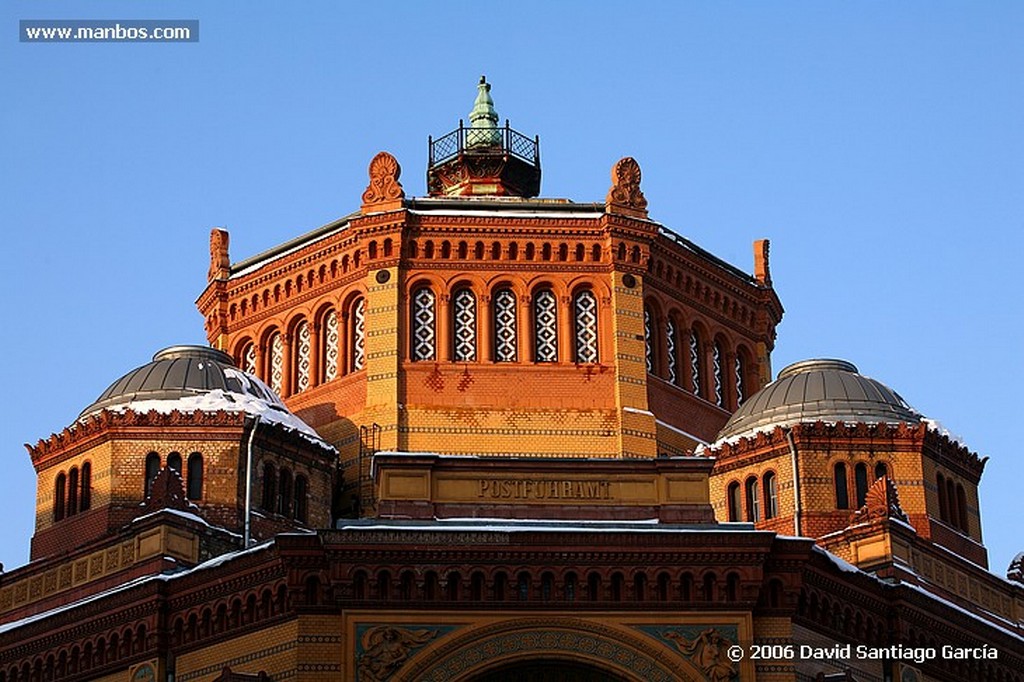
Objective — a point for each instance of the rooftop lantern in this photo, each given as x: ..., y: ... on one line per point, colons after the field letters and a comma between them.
x: 483, y: 159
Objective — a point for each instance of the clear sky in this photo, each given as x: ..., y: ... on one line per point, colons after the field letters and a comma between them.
x: 879, y: 145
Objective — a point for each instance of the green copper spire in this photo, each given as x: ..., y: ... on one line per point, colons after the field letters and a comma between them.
x: 483, y: 119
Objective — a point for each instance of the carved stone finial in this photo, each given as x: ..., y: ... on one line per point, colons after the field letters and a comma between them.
x: 167, y: 491
x: 625, y: 196
x: 220, y: 262
x: 384, y: 193
x: 762, y: 267
x: 881, y: 502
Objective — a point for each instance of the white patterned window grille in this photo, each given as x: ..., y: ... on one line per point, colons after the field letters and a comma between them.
x: 304, y: 345
x: 670, y: 350
x: 249, y: 358
x: 695, y: 376
x: 276, y: 362
x: 586, y: 327
x: 718, y: 371
x: 330, y: 346
x: 545, y: 326
x: 648, y: 346
x: 359, y: 335
x: 505, y: 340
x: 464, y: 326
x: 739, y: 379
x: 424, y: 316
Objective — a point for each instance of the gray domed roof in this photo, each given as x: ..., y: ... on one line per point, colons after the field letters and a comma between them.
x: 182, y: 372
x: 818, y: 390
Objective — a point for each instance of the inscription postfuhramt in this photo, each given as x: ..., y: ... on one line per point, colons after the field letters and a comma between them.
x: 542, y: 489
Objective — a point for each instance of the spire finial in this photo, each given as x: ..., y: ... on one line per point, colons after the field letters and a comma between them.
x: 483, y: 117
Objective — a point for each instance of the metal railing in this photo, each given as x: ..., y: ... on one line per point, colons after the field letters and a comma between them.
x: 465, y: 140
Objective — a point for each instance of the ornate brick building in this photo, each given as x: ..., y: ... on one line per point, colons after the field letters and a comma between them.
x: 484, y: 436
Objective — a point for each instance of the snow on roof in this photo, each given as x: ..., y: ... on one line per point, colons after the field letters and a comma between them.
x: 932, y: 425
x: 228, y: 401
x: 975, y: 616
x: 216, y: 561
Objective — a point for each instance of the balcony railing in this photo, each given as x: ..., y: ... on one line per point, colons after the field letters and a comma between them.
x: 465, y: 140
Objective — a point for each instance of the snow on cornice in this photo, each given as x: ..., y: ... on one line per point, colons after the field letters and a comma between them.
x: 768, y: 432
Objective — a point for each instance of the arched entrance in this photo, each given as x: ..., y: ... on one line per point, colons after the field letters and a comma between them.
x: 551, y: 670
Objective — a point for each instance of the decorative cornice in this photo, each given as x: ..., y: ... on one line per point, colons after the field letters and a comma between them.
x: 108, y: 420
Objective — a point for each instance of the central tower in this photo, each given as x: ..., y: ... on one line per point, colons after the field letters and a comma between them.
x: 484, y: 159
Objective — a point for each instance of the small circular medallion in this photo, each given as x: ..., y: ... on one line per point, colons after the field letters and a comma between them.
x: 383, y: 276
x: 629, y: 280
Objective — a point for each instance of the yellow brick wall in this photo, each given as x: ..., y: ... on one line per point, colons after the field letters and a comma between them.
x: 274, y: 650
x: 638, y: 436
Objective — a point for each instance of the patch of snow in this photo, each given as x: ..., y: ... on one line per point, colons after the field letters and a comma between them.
x: 701, y: 442
x: 228, y: 401
x: 637, y: 410
x: 216, y: 561
x: 975, y: 616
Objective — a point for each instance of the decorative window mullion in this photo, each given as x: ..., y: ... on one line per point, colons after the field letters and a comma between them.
x: 505, y: 336
x: 670, y: 351
x: 464, y: 326
x: 424, y: 319
x: 545, y: 326
x: 330, y: 346
x: 359, y: 335
x: 585, y: 314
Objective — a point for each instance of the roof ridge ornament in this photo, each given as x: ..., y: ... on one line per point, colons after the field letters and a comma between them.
x: 625, y: 196
x: 385, y: 192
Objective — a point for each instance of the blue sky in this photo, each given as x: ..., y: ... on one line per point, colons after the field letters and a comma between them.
x: 878, y: 145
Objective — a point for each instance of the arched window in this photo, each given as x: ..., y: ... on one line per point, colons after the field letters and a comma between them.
x: 329, y: 347
x: 523, y: 586
x: 771, y: 495
x: 717, y: 361
x: 696, y: 378
x: 881, y: 471
x: 464, y: 326
x: 72, y: 507
x: 940, y: 482
x: 59, y: 490
x: 284, y: 497
x: 152, y: 469
x: 194, y: 486
x: 248, y: 358
x: 961, y: 503
x: 424, y: 317
x: 839, y: 479
x: 269, y: 497
x: 648, y: 340
x: 358, y: 335
x: 174, y: 462
x: 860, y: 481
x: 545, y: 326
x: 753, y: 500
x: 276, y: 369
x: 85, y: 501
x: 300, y: 359
x: 951, y: 501
x: 505, y: 340
x: 735, y: 501
x: 585, y: 326
x: 671, y: 351
x: 301, y: 506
